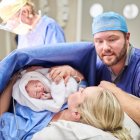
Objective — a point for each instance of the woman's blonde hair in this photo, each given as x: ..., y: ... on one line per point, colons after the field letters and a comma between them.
x: 104, y: 113
x: 32, y: 6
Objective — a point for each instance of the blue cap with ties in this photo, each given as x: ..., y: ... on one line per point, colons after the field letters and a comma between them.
x: 109, y: 21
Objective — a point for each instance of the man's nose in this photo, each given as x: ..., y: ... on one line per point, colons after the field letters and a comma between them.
x: 106, y: 46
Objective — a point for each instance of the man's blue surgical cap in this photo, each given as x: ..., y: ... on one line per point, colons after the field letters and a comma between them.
x: 109, y: 21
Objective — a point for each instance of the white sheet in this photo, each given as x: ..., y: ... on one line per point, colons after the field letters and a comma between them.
x: 67, y: 130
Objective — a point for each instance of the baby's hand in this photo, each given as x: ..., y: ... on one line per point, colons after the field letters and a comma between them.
x: 46, y: 96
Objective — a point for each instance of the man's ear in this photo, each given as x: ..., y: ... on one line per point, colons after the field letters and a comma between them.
x: 76, y: 116
x: 127, y: 36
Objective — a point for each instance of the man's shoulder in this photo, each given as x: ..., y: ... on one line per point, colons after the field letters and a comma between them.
x: 135, y: 57
x: 137, y: 52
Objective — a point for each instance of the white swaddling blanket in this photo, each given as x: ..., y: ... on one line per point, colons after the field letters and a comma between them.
x: 59, y: 92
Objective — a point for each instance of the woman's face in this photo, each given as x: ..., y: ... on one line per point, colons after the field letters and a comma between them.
x: 20, y: 23
x: 78, y: 97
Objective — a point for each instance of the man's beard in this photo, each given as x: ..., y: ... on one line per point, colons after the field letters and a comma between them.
x: 119, y: 57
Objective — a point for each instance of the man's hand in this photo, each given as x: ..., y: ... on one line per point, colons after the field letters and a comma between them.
x: 64, y: 72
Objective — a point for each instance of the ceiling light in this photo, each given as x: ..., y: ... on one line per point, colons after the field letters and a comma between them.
x: 130, y: 11
x: 96, y: 9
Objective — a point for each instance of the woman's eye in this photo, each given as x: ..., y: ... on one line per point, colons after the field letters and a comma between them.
x: 81, y: 90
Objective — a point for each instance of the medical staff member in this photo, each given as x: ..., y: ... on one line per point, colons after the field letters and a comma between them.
x: 20, y: 17
x: 118, y: 62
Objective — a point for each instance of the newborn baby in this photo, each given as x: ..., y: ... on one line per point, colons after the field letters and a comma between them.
x: 36, y: 89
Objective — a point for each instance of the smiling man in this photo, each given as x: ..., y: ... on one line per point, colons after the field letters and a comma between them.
x: 111, y: 38
x: 118, y: 61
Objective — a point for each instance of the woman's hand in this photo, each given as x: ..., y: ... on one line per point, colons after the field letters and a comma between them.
x: 107, y: 85
x: 64, y: 72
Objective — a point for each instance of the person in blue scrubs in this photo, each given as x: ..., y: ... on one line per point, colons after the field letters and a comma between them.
x: 118, y: 62
x: 21, y: 18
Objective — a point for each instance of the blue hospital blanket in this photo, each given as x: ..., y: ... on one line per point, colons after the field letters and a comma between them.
x: 80, y: 55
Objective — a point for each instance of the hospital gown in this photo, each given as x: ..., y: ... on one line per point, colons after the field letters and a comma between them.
x: 47, y: 31
x: 24, y: 124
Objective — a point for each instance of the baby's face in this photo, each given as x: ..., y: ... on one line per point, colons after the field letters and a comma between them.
x: 36, y: 89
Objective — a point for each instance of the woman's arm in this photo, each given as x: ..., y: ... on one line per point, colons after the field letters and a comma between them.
x: 130, y: 104
x: 6, y: 95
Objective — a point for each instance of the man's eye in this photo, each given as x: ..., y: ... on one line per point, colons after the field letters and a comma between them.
x: 111, y: 40
x: 99, y: 41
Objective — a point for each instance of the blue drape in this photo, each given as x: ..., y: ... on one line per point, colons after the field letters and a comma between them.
x: 80, y: 55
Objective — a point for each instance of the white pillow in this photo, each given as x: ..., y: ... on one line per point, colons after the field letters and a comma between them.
x: 132, y: 126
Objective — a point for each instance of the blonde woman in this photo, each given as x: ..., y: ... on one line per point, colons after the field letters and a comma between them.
x: 103, y: 111
x: 94, y: 106
x: 21, y: 18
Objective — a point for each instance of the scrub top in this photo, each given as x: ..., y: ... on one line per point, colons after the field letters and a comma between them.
x: 129, y: 80
x: 47, y: 31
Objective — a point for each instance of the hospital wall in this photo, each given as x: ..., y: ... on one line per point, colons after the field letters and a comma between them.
x: 74, y: 17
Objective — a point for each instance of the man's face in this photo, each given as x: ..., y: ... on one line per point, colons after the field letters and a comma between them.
x: 111, y: 46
